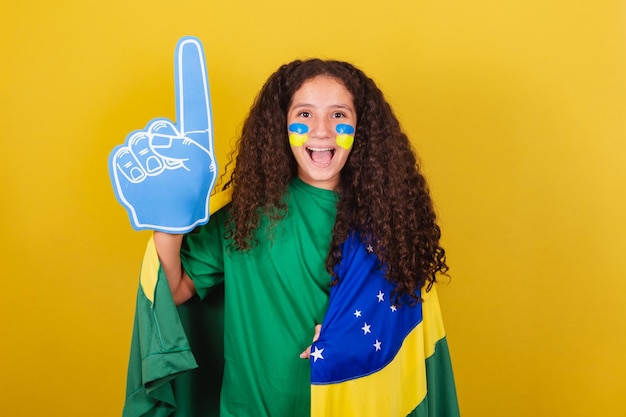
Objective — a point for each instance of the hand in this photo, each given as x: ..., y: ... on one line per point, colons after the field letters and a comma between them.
x: 307, y: 353
x: 163, y: 175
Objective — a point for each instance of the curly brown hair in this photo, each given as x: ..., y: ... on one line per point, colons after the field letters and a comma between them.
x: 382, y: 193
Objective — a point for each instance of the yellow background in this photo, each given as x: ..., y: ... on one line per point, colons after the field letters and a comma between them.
x: 517, y: 109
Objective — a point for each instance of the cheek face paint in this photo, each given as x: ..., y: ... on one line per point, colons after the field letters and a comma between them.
x: 298, y: 134
x: 345, y: 135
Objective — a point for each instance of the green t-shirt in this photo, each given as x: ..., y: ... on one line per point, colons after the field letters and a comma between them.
x: 275, y: 294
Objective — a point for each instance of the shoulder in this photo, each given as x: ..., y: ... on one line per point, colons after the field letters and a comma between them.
x: 215, y: 226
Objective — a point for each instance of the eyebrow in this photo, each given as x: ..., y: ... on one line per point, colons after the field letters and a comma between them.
x: 333, y: 106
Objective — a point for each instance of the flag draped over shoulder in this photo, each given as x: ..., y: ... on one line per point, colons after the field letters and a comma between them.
x: 374, y: 358
x: 176, y: 356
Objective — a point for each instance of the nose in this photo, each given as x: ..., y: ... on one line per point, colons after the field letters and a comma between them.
x: 322, y: 129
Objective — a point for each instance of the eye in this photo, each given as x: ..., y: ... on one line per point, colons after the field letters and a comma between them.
x: 304, y: 114
x: 338, y: 115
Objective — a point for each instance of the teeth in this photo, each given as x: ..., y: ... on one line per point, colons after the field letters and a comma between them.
x: 329, y: 149
x: 320, y: 149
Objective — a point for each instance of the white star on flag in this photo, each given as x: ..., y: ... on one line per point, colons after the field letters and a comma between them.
x: 357, y: 313
x: 366, y: 328
x: 377, y: 345
x: 317, y: 354
x: 393, y: 308
x: 381, y: 296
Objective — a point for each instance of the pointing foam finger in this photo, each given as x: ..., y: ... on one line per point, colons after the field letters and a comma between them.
x: 192, y: 92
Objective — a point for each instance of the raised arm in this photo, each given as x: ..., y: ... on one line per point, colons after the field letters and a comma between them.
x: 168, y: 248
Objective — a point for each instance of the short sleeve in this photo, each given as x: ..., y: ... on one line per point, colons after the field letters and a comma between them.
x: 202, y: 253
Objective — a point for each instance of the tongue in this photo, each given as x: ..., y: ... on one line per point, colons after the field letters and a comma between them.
x: 322, y: 157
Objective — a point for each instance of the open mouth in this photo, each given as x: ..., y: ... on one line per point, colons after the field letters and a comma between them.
x: 321, y: 155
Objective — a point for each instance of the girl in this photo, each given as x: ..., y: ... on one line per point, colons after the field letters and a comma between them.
x: 321, y: 157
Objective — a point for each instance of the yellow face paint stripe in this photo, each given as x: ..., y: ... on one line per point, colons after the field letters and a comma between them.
x: 345, y: 141
x: 345, y: 135
x: 296, y: 139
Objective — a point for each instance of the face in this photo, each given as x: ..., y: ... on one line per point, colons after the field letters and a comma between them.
x: 321, y: 122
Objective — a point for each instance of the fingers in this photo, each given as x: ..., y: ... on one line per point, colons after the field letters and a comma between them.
x: 163, y: 138
x: 193, y: 103
x: 307, y: 352
x: 139, y: 145
x: 318, y: 329
x: 150, y: 152
x: 123, y: 161
x: 136, y: 160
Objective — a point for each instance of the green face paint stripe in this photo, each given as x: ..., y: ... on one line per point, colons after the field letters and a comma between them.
x: 345, y: 135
